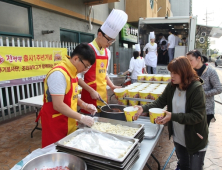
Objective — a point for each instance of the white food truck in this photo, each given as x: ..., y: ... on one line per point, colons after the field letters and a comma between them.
x: 185, y: 26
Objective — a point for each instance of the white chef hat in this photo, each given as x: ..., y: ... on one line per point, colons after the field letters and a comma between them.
x: 114, y: 23
x: 137, y: 47
x: 152, y: 35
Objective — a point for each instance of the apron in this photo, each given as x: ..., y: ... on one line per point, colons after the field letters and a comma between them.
x: 151, y: 59
x: 95, y: 77
x: 55, y: 125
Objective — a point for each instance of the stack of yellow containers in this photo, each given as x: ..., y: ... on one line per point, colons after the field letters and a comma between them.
x: 142, y: 90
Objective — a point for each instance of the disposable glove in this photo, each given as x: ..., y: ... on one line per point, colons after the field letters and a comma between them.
x: 91, y: 109
x: 87, y: 120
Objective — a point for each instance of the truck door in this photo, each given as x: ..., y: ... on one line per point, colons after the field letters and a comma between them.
x: 192, y: 33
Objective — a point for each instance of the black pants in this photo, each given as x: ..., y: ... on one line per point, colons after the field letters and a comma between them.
x: 209, y: 117
x: 189, y: 161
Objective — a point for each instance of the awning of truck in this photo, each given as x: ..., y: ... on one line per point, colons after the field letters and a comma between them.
x: 169, y: 20
x: 211, y: 31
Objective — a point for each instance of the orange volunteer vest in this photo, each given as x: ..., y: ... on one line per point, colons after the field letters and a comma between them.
x: 95, y: 77
x: 55, y: 125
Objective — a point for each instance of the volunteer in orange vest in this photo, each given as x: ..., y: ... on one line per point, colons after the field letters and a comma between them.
x: 96, y: 78
x: 59, y: 114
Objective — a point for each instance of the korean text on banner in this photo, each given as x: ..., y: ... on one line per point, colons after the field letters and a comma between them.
x: 21, y: 62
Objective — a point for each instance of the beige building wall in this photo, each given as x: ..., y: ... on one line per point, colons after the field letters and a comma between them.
x: 140, y: 9
x: 165, y: 8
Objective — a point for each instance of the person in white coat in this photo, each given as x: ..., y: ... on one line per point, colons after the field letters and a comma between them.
x: 151, y: 56
x: 137, y: 65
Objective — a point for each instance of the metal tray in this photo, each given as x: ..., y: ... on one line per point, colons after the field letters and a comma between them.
x: 99, y: 160
x: 96, y: 166
x: 151, y: 129
x: 115, y: 122
x: 77, y: 132
x: 138, y: 99
x: 140, y: 133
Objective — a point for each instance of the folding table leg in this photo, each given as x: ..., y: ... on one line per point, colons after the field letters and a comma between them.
x: 37, y: 123
x: 156, y: 161
x: 148, y: 166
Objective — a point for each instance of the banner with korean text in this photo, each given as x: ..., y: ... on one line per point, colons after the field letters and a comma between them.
x: 22, y: 62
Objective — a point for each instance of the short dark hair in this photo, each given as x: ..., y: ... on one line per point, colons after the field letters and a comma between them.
x: 160, y: 34
x: 99, y: 30
x: 170, y: 30
x: 181, y: 65
x: 85, y: 52
x: 163, y: 43
x: 135, y: 54
x: 176, y: 33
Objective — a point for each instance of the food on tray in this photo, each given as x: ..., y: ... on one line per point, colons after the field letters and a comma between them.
x: 115, y: 129
x: 56, y: 168
x: 100, y: 143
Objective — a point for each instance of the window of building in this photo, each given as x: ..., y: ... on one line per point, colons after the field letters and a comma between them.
x: 75, y: 36
x: 15, y: 20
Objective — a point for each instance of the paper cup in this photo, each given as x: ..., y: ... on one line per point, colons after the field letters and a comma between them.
x: 155, y: 94
x: 157, y: 77
x: 129, y: 113
x: 120, y: 93
x: 141, y: 77
x: 136, y: 84
x: 166, y: 78
x: 144, y: 94
x: 134, y: 93
x: 133, y: 102
x: 123, y: 102
x: 156, y: 113
x: 149, y: 77
x: 126, y: 90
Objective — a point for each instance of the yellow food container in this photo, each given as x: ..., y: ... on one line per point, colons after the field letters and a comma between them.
x: 141, y: 77
x: 156, y: 113
x: 123, y: 102
x: 128, y: 88
x: 134, y: 93
x: 133, y: 102
x: 130, y: 112
x: 149, y: 77
x: 144, y: 103
x: 166, y: 78
x: 120, y: 93
x: 150, y: 88
x: 144, y: 94
x: 136, y: 84
x: 154, y: 85
x: 158, y: 77
x: 155, y: 94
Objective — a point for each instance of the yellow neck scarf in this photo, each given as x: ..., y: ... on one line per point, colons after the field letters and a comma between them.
x: 101, y: 51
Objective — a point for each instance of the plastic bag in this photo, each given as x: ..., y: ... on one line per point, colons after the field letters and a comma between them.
x: 100, y: 143
x: 48, y: 149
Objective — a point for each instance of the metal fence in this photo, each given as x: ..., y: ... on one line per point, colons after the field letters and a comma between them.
x: 10, y: 95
